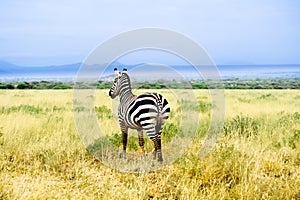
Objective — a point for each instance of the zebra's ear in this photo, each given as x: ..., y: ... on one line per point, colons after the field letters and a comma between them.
x: 124, y: 70
x: 117, y: 73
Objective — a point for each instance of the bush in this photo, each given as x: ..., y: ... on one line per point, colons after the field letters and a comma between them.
x: 10, y: 86
x: 61, y: 86
x: 103, y: 112
x: 21, y: 108
x: 199, y: 85
x: 111, y: 142
x: 104, y: 85
x: 241, y: 126
x: 169, y: 131
x: 7, y: 86
x: 24, y: 85
x: 205, y: 106
x: 294, y: 140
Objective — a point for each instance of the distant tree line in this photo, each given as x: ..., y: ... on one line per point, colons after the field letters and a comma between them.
x: 293, y: 83
x: 36, y: 85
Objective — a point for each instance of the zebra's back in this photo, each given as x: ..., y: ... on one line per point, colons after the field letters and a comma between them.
x: 146, y: 111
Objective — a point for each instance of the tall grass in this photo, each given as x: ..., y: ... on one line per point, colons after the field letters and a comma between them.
x: 257, y: 157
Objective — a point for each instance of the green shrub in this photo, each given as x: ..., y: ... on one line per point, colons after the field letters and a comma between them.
x: 62, y: 86
x: 289, y: 119
x: 199, y: 85
x: 104, y: 85
x: 132, y: 142
x: 204, y: 106
x: 21, y: 108
x: 112, y: 142
x: 24, y: 85
x: 294, y: 140
x: 241, y: 126
x: 99, y: 145
x: 7, y: 86
x: 103, y: 112
x: 268, y: 96
x: 169, y: 131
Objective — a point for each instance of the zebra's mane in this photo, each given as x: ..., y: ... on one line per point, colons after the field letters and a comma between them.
x: 127, y: 78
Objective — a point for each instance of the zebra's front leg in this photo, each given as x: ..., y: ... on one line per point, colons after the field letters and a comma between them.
x: 124, y: 140
x: 141, y: 140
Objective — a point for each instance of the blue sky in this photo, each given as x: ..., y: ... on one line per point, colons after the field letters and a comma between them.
x: 35, y: 32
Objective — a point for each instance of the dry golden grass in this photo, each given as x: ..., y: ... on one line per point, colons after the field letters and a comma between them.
x: 258, y: 156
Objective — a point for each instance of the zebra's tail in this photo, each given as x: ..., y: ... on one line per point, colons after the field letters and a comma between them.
x: 163, y: 111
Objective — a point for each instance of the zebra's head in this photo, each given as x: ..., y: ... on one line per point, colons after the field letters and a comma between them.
x: 115, y: 89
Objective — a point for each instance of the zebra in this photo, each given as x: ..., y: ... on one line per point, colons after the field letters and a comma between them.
x: 147, y: 111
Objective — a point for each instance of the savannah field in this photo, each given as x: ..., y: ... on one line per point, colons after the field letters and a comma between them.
x: 257, y: 155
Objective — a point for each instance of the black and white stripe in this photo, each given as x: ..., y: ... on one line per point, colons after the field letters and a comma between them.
x: 148, y: 112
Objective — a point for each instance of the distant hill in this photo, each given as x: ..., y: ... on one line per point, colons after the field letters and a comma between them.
x: 6, y: 68
x: 13, y: 72
x: 11, y: 69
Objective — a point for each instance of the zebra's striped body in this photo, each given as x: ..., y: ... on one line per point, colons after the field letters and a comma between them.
x: 148, y: 112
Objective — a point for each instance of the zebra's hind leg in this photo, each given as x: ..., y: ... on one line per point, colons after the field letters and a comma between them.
x: 141, y: 140
x: 157, y: 147
x: 124, y: 140
x: 159, y: 152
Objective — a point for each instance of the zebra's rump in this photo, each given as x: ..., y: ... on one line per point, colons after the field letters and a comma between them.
x: 147, y: 110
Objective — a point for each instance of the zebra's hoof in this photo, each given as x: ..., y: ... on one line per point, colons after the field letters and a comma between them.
x: 122, y: 155
x: 154, y: 155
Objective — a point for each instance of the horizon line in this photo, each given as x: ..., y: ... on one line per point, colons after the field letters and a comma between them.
x: 133, y: 64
